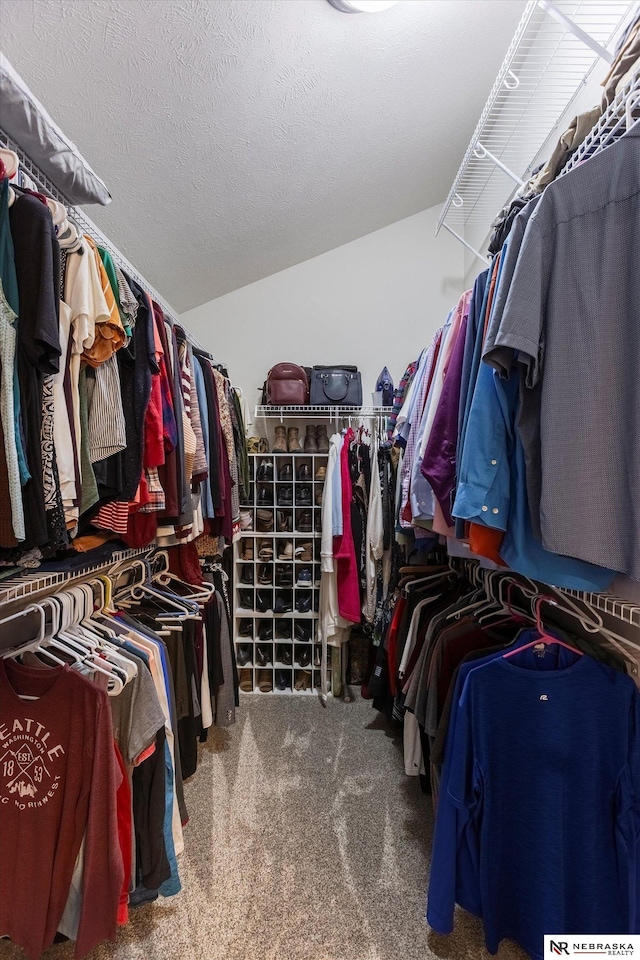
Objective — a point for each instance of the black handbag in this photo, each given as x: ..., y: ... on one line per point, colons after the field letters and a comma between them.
x: 336, y: 386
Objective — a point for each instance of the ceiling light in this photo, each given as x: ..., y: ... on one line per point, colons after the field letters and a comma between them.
x: 362, y: 6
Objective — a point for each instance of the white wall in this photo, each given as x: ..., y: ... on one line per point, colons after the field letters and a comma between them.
x: 374, y: 301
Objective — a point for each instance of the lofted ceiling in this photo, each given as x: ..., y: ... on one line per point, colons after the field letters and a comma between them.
x: 239, y: 137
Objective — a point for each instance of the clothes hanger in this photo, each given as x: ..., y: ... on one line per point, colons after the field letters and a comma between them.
x: 31, y: 616
x: 58, y: 211
x: 78, y: 648
x: 583, y: 617
x: 180, y: 607
x: 544, y: 638
x: 473, y: 601
x: 506, y: 611
x: 164, y: 577
x: 10, y: 161
x: 86, y: 633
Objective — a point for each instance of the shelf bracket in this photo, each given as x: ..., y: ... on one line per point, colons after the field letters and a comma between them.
x: 481, y: 152
x: 577, y: 31
x: 464, y: 243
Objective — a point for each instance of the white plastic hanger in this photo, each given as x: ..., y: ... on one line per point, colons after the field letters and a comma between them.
x: 10, y: 160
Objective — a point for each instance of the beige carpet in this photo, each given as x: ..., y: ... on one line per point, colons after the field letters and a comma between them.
x: 306, y: 842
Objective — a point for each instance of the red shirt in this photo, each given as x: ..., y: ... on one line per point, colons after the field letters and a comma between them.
x: 58, y: 783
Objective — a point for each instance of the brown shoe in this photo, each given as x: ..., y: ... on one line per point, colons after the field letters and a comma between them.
x: 280, y: 445
x: 265, y: 681
x: 285, y: 522
x: 321, y: 473
x: 246, y: 680
x: 310, y: 442
x: 322, y: 439
x: 293, y: 440
x: 304, y: 553
x: 303, y: 679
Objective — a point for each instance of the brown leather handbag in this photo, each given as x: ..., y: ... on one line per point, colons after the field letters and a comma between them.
x: 287, y: 386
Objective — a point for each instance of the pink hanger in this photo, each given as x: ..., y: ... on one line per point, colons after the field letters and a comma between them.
x: 544, y: 637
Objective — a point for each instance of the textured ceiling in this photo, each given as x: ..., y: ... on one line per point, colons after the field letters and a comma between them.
x: 239, y: 137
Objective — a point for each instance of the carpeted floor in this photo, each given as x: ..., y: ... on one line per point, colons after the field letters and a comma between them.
x: 306, y: 842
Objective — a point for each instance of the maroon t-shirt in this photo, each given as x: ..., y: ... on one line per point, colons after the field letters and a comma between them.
x: 58, y: 783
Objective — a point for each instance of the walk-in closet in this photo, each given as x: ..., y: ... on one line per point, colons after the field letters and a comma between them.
x: 319, y: 479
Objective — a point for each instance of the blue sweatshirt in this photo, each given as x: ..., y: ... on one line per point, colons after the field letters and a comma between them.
x: 543, y: 764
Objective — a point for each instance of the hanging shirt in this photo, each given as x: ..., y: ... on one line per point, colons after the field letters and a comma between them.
x: 411, y: 425
x: 374, y: 541
x: 109, y: 333
x: 492, y: 488
x: 571, y: 322
x: 546, y: 760
x: 58, y: 783
x: 37, y: 262
x: 421, y: 495
x: 439, y: 462
x: 12, y: 526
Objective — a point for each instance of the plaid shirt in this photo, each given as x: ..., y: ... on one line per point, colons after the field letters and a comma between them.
x: 399, y: 395
x: 155, y: 494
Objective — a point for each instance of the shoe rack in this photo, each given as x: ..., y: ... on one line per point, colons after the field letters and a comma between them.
x: 277, y: 575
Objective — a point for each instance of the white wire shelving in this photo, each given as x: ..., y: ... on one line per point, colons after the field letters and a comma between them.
x: 619, y: 115
x: 623, y: 610
x: 31, y: 585
x: 317, y: 412
x: 555, y: 48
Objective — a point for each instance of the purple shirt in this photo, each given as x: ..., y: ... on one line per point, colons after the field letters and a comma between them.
x: 439, y: 460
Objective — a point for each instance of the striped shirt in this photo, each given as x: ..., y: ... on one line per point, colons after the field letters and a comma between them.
x: 107, y: 430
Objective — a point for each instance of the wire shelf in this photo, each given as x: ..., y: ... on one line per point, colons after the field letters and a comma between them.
x: 613, y: 606
x: 611, y: 125
x: 545, y: 68
x: 320, y: 412
x: 47, y: 187
x: 30, y: 586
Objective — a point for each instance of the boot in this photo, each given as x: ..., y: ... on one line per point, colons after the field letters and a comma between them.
x: 310, y: 442
x: 293, y: 440
x: 322, y: 439
x: 280, y: 445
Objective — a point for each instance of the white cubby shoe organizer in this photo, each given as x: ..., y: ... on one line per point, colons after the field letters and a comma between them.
x: 277, y: 575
